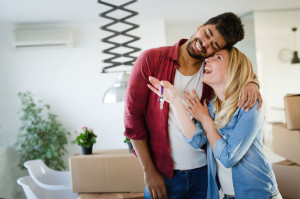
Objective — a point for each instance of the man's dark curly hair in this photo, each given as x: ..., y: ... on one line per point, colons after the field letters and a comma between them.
x: 230, y: 26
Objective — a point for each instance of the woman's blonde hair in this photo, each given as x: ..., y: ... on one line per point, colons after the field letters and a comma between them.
x: 239, y: 72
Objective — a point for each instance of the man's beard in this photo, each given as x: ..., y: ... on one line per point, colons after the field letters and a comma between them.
x: 193, y: 55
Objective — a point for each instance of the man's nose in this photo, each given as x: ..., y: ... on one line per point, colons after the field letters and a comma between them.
x: 206, y: 43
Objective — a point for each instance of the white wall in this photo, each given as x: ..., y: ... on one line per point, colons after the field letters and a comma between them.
x: 69, y: 80
x: 177, y: 31
x: 247, y: 45
x: 272, y: 34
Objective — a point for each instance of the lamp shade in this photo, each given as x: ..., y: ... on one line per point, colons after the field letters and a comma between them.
x: 295, y: 59
x: 117, y: 92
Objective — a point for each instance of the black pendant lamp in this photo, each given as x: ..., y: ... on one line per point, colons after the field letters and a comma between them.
x: 295, y: 59
x: 116, y: 93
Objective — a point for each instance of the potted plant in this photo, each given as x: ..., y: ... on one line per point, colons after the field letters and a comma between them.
x: 86, y: 139
x: 127, y: 140
x: 41, y: 135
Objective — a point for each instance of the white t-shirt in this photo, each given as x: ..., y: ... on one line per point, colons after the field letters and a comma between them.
x: 184, y: 156
x: 225, y: 177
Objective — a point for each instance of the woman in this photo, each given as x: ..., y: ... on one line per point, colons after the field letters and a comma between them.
x: 234, y: 136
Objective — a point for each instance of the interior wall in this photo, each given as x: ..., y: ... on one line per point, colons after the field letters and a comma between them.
x: 247, y: 45
x: 69, y: 80
x: 278, y: 77
x: 177, y: 31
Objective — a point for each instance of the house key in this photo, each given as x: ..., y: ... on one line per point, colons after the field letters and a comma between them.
x: 161, y: 98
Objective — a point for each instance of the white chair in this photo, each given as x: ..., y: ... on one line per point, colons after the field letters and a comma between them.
x: 33, y: 191
x: 46, y: 177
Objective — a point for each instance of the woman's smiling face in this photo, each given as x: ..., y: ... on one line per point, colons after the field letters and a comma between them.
x: 215, y: 68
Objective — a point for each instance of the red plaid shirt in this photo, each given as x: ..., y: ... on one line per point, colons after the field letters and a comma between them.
x: 143, y: 118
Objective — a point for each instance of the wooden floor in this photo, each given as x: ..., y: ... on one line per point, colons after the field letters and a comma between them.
x: 111, y: 196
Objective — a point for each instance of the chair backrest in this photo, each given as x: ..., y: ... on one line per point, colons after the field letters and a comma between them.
x: 47, y: 177
x: 33, y: 191
x: 25, y: 183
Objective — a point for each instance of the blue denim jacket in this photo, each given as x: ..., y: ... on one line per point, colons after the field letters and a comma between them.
x: 252, y: 176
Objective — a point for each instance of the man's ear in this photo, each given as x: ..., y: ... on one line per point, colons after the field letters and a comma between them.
x: 201, y: 26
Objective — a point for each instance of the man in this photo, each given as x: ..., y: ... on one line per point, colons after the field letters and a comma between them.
x: 172, y: 169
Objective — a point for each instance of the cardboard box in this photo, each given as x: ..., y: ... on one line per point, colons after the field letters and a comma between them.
x: 111, y: 196
x: 292, y: 111
x: 286, y: 143
x: 288, y: 178
x: 106, y: 171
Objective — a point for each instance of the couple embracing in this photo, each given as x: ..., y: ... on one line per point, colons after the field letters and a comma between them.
x: 194, y: 115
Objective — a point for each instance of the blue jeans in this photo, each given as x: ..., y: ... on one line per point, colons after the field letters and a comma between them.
x: 188, y: 184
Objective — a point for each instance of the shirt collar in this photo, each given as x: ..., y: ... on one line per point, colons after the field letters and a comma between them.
x: 174, y: 52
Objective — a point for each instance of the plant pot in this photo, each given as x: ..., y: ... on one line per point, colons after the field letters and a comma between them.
x: 129, y: 146
x: 87, y: 151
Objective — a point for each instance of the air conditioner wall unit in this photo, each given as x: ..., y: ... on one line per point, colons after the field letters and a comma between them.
x: 24, y: 38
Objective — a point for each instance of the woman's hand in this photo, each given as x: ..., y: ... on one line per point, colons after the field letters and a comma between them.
x: 201, y: 113
x: 196, y: 109
x: 170, y: 94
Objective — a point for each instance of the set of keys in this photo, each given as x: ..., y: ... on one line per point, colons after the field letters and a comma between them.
x: 161, y: 98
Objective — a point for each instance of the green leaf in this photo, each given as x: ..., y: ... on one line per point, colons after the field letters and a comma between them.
x: 41, y: 135
x: 87, y: 138
x: 48, y: 154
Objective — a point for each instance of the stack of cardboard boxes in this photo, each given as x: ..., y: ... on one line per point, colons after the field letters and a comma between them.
x: 109, y: 173
x: 286, y: 143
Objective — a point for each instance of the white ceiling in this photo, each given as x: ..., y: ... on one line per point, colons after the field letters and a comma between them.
x: 39, y: 11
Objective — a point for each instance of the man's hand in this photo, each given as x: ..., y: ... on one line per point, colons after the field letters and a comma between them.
x: 153, y: 179
x: 250, y: 94
x: 155, y: 184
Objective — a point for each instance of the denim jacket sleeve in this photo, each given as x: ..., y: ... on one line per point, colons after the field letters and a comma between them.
x: 199, y: 139
x: 230, y: 151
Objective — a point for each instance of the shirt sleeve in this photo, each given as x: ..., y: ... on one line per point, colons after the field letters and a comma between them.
x: 137, y: 98
x: 230, y: 151
x: 199, y: 139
